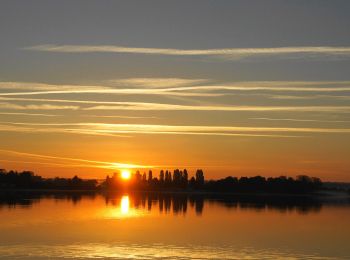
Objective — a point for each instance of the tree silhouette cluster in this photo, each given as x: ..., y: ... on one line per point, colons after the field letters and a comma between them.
x: 282, y: 184
x: 167, y: 180
x: 28, y: 180
x: 179, y: 180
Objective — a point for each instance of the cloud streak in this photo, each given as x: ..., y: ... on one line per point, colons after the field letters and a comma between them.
x: 226, y: 53
x: 145, y: 106
x: 105, y: 90
x: 93, y: 163
x: 26, y: 114
x: 52, y: 164
x: 157, y: 82
x: 122, y: 117
x: 142, y: 106
x: 4, y: 105
x: 37, y: 86
x: 299, y: 120
x: 173, y: 87
x: 179, y: 129
x: 30, y: 128
x: 57, y: 130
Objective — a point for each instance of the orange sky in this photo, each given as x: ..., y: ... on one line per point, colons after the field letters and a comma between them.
x: 225, y: 87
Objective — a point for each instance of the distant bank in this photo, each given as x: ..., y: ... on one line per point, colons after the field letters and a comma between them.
x: 177, y: 181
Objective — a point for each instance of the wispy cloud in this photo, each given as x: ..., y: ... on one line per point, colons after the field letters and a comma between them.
x: 37, y: 86
x: 165, y: 92
x: 299, y: 120
x: 290, y: 86
x: 25, y: 114
x: 104, y: 90
x: 4, y: 105
x: 182, y: 129
x: 305, y: 97
x: 226, y: 53
x: 122, y: 84
x: 27, y: 128
x: 92, y: 163
x: 65, y: 165
x: 157, y: 82
x: 174, y: 87
x: 144, y: 106
x: 122, y: 117
x: 122, y: 133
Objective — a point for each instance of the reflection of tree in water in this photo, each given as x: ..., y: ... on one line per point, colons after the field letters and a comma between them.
x: 180, y: 203
x: 26, y: 199
x: 283, y: 204
x: 164, y: 202
x: 13, y: 202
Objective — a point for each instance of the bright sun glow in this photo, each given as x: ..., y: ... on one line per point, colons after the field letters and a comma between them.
x: 125, y: 174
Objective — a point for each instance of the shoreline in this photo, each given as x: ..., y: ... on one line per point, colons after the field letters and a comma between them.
x: 321, y: 193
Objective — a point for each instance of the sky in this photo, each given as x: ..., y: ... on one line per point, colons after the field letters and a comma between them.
x: 239, y: 88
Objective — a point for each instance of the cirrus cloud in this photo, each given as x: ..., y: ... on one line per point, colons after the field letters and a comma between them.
x: 225, y: 53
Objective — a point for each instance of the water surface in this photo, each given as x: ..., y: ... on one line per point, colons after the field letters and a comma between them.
x: 165, y: 226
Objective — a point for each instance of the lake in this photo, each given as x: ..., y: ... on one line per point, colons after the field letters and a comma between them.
x: 172, y: 226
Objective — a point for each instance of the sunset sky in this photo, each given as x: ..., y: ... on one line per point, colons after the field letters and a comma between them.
x: 232, y: 87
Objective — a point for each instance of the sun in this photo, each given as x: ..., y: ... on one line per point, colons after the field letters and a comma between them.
x: 125, y: 174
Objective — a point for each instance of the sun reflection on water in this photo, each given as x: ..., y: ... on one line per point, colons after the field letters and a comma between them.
x: 122, y: 208
x: 124, y: 205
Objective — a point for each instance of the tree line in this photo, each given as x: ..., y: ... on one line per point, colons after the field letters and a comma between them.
x: 176, y: 180
x: 28, y: 180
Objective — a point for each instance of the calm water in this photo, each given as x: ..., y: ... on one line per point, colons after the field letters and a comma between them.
x: 151, y: 226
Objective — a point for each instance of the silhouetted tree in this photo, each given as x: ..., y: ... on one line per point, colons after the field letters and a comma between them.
x: 168, y: 178
x: 199, y: 178
x: 176, y: 178
x: 184, y: 179
x: 150, y: 176
x: 138, y: 177
x: 192, y: 183
x: 161, y: 176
